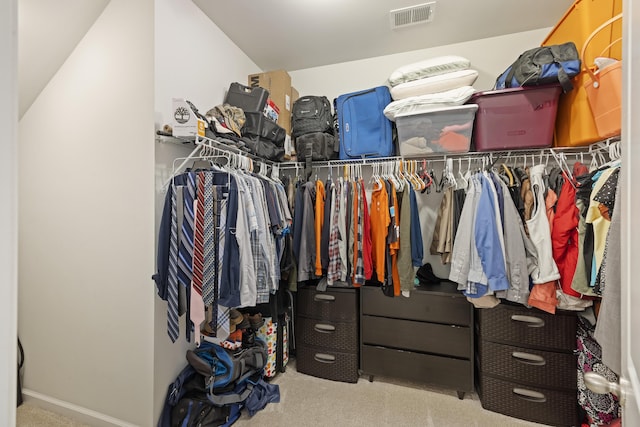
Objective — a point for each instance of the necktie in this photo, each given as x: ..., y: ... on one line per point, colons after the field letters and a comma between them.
x: 222, y: 317
x: 208, y: 294
x: 185, y: 249
x: 197, y: 305
x: 172, y: 288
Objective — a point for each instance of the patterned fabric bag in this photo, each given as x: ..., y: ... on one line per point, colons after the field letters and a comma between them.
x: 601, y: 409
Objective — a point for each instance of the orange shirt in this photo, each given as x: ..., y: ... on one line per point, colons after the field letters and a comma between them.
x: 319, y: 222
x: 380, y: 220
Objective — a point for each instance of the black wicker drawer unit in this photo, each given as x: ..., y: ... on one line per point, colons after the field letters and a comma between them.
x: 426, y: 337
x: 526, y: 364
x: 327, y: 333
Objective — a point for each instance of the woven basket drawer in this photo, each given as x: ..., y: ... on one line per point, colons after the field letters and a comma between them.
x: 448, y: 372
x: 340, y: 305
x: 327, y: 363
x: 528, y: 366
x: 418, y: 336
x: 510, y: 324
x: 546, y: 406
x: 451, y: 309
x: 341, y: 336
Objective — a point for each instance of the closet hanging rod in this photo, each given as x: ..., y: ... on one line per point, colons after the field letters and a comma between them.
x: 442, y: 157
x: 202, y: 143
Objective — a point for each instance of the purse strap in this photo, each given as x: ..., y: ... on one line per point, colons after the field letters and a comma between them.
x: 604, y: 25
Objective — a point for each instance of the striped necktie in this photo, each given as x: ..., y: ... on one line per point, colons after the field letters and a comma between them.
x: 197, y: 305
x: 172, y: 298
x: 185, y: 249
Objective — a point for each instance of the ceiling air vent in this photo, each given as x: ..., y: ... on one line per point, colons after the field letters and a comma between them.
x: 412, y: 15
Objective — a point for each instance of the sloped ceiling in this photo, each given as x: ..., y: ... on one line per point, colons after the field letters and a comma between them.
x: 299, y: 34
x: 48, y: 31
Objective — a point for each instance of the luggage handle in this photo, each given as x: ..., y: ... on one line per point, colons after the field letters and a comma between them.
x: 324, y: 328
x: 531, y: 321
x: 324, y: 358
x: 324, y: 298
x: 528, y: 358
x: 594, y: 78
x: 530, y: 395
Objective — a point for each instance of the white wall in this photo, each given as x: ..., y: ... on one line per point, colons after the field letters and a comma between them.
x: 8, y: 210
x: 86, y: 226
x: 488, y: 56
x: 195, y: 60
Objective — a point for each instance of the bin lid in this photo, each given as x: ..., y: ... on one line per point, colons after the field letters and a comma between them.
x: 468, y: 107
x: 549, y: 87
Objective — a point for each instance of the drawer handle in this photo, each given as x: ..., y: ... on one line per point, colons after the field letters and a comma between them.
x: 324, y: 328
x: 324, y: 358
x: 530, y: 395
x: 531, y: 321
x: 324, y: 298
x: 528, y: 358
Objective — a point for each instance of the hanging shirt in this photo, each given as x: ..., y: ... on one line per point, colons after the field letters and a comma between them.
x: 366, y: 236
x: 380, y: 220
x: 538, y: 226
x: 326, y: 225
x: 306, y: 261
x: 417, y: 251
x: 334, y: 268
x: 489, y: 238
x: 319, y: 222
x: 404, y: 259
x: 394, y: 245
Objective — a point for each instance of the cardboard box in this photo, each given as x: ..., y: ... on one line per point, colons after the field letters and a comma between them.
x: 278, y: 83
x: 185, y: 124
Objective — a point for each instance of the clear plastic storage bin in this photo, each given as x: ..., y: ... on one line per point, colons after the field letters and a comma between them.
x: 444, y: 130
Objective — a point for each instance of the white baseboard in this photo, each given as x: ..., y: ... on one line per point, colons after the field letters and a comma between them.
x: 72, y: 411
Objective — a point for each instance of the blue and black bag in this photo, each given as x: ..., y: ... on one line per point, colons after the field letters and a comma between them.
x: 543, y: 65
x: 230, y: 374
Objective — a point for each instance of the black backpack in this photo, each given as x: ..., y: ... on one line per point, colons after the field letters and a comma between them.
x: 311, y: 114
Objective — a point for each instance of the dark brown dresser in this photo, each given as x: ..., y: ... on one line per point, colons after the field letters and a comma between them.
x: 526, y: 364
x: 428, y: 337
x: 327, y: 333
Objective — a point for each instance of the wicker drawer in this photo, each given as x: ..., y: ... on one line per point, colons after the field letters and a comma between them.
x: 341, y: 336
x: 327, y: 363
x: 528, y: 366
x: 510, y: 324
x: 447, y: 372
x: 418, y: 336
x: 340, y: 305
x: 426, y: 306
x: 541, y: 405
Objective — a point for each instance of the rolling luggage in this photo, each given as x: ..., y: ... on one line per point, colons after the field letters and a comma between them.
x: 364, y: 130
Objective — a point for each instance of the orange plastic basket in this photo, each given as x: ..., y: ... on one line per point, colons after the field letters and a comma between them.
x: 575, y: 123
x: 604, y: 90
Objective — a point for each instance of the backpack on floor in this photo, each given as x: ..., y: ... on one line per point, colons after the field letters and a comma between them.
x: 364, y: 130
x: 311, y: 114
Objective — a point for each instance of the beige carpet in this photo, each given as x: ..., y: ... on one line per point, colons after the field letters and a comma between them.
x: 306, y: 401
x: 29, y: 415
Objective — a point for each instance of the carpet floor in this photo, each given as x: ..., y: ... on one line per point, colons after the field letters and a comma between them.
x: 307, y: 401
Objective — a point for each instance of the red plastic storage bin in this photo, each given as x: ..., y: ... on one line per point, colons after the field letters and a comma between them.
x: 515, y: 118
